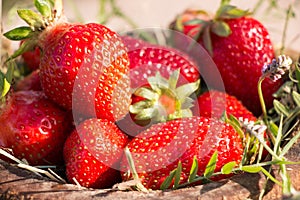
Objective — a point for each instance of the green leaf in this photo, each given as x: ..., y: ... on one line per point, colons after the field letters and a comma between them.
x: 221, y: 29
x: 207, y: 40
x: 139, y: 106
x: 296, y: 97
x: 33, y: 19
x: 177, y: 175
x: 147, y: 113
x: 230, y: 12
x: 228, y: 167
x: 168, y: 181
x: 10, y: 72
x: 4, y: 85
x: 188, y: 103
x: 195, y: 22
x: 252, y: 168
x: 186, y: 90
x: 173, y: 79
x: 19, y: 33
x: 211, y: 165
x: 145, y: 93
x: 194, y: 169
x: 44, y: 7
x: 280, y: 108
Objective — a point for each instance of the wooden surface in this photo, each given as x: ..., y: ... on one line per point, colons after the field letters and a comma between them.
x: 16, y: 183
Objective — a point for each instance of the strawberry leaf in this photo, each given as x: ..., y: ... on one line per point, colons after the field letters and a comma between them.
x: 146, y: 93
x: 230, y: 12
x: 211, y: 165
x: 173, y: 79
x: 10, y: 72
x: 19, y: 33
x: 4, y: 85
x: 186, y: 90
x: 207, y: 40
x: 221, y: 29
x: 228, y: 167
x: 194, y: 170
x: 33, y: 19
x: 44, y: 7
x: 177, y: 175
x: 195, y: 22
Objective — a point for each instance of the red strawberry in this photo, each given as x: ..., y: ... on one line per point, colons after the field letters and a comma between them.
x: 240, y: 46
x: 92, y: 151
x: 188, y: 22
x: 30, y: 82
x: 213, y: 103
x: 32, y: 58
x: 162, y: 100
x: 82, y: 66
x: 157, y: 151
x: 34, y: 127
x: 147, y: 59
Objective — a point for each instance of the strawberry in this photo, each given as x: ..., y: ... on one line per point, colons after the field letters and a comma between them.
x: 92, y: 151
x: 240, y: 46
x: 214, y: 103
x: 33, y: 127
x: 150, y: 67
x: 159, y: 100
x: 146, y: 59
x: 82, y: 66
x: 30, y: 82
x: 32, y: 58
x: 157, y: 150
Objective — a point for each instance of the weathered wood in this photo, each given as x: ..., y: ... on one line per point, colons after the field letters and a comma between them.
x: 16, y: 183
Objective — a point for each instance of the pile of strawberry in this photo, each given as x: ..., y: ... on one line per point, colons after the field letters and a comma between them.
x: 92, y: 92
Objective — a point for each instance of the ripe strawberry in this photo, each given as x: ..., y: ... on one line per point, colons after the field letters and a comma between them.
x: 240, y: 46
x: 162, y: 100
x: 147, y: 59
x: 92, y: 152
x: 159, y: 100
x: 32, y: 58
x: 213, y: 103
x: 82, y: 66
x: 157, y: 151
x: 30, y: 82
x: 33, y: 127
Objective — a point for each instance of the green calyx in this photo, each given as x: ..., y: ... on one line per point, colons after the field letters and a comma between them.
x: 217, y: 25
x: 162, y: 101
x: 49, y: 11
